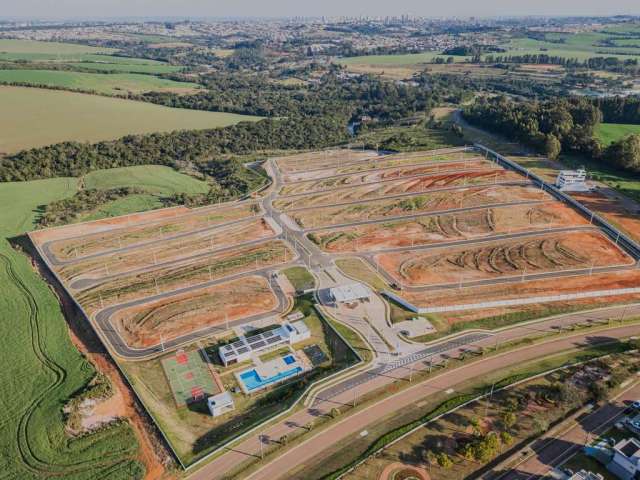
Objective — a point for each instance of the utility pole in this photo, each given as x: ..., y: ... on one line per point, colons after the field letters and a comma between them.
x: 489, y: 398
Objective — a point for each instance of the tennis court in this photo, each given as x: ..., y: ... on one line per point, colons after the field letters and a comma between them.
x: 189, y: 377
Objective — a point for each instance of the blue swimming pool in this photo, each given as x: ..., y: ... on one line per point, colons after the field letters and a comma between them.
x: 289, y: 359
x: 253, y: 381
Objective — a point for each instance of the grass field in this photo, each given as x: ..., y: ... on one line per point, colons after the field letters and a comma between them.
x: 397, y: 60
x: 156, y: 179
x: 32, y: 117
x: 112, y: 84
x: 42, y: 369
x: 608, y: 133
x: 84, y: 56
x: 300, y: 278
x: 33, y: 47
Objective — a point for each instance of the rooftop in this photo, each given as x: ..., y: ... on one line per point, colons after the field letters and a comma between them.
x: 349, y: 293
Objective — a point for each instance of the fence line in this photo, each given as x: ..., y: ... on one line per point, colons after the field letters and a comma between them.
x: 511, y: 302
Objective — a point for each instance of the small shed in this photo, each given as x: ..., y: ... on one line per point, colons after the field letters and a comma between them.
x: 220, y: 404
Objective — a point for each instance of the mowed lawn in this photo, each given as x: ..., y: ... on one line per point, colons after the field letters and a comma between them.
x: 33, y: 117
x: 612, y: 132
x: 112, y: 83
x: 41, y: 369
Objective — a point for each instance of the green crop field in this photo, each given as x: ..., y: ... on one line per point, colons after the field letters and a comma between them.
x: 397, y: 60
x: 34, y: 46
x: 33, y: 117
x: 42, y: 369
x: 99, y: 59
x: 134, y: 67
x: 608, y: 133
x: 117, y: 83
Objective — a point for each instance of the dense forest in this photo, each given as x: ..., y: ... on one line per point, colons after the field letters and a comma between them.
x: 348, y: 98
x: 564, y: 125
x: 594, y: 63
x: 620, y: 109
x: 73, y: 159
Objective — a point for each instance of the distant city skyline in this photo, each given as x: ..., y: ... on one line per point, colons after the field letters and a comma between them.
x: 76, y: 9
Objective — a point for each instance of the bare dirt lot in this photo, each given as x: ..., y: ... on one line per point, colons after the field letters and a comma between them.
x: 613, y: 211
x: 535, y: 254
x: 132, y: 233
x: 397, y: 187
x: 170, y: 250
x: 391, y: 173
x: 420, y: 203
x: 322, y: 159
x: 150, y: 282
x: 147, y: 324
x: 447, y: 227
x: 387, y: 161
x: 567, y: 285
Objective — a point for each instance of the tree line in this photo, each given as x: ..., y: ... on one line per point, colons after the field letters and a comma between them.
x: 552, y: 127
x: 72, y: 159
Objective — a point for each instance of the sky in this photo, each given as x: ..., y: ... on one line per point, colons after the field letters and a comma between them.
x: 277, y: 8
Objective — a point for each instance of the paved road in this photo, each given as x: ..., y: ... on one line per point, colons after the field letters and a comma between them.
x: 310, y: 450
x: 565, y: 441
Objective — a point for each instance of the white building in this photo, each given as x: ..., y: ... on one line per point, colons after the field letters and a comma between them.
x: 220, y: 404
x: 243, y: 348
x: 349, y: 293
x: 572, y: 180
x: 626, y: 459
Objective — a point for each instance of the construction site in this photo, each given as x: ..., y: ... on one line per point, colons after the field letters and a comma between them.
x: 222, y: 316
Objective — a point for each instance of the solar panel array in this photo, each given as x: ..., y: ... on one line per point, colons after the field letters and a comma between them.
x: 253, y: 343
